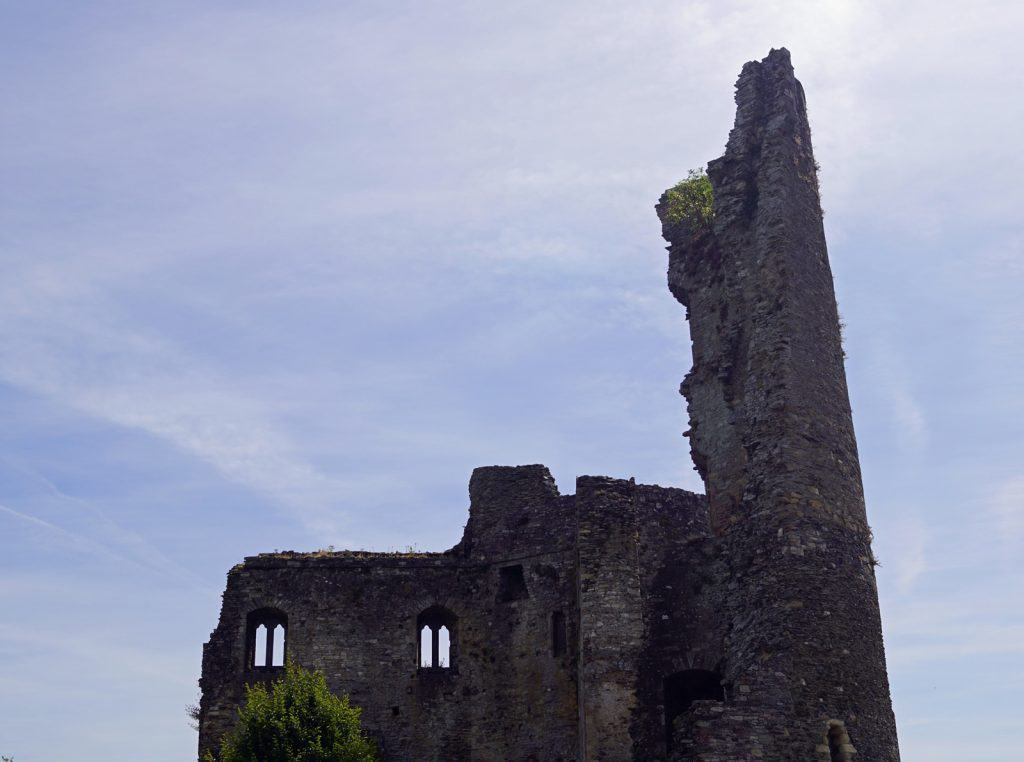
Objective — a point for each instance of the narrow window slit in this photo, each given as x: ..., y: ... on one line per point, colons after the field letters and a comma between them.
x: 261, y: 646
x: 278, y: 646
x: 558, y: 634
x: 512, y: 584
x: 444, y: 646
x: 426, y: 647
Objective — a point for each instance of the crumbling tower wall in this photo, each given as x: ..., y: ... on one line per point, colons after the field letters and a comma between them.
x: 771, y: 434
x: 629, y: 621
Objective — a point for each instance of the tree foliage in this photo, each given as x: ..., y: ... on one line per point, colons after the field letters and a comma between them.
x: 691, y: 201
x: 296, y: 720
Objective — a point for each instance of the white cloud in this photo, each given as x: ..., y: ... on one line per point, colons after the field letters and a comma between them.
x: 96, y: 533
x: 892, y: 379
x: 906, y: 543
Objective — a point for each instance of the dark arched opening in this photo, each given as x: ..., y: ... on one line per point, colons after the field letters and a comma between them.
x: 266, y: 635
x: 833, y: 745
x: 436, y: 639
x: 683, y: 688
x: 839, y: 747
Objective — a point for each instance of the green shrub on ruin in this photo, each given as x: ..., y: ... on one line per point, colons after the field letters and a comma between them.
x: 691, y: 201
x: 296, y: 719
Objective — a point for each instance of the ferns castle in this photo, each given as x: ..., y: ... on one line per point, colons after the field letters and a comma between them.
x: 629, y: 621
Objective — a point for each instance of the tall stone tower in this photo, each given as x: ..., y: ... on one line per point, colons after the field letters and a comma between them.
x: 631, y: 622
x: 771, y: 434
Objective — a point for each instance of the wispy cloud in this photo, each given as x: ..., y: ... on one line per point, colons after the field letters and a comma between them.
x: 326, y: 258
x: 98, y: 648
x: 891, y: 378
x: 101, y: 536
x: 66, y: 538
x: 65, y: 343
x: 1006, y: 504
x: 907, y: 542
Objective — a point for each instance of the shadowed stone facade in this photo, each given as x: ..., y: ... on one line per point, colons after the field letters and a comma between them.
x: 628, y: 621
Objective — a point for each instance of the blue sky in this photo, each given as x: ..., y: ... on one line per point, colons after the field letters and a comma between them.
x: 279, y: 275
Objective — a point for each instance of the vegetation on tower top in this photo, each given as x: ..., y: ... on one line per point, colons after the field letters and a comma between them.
x: 691, y: 201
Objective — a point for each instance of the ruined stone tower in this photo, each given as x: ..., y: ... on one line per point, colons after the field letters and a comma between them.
x: 772, y: 436
x: 627, y: 621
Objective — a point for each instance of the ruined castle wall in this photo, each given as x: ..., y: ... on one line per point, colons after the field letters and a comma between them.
x: 772, y: 435
x: 516, y: 512
x: 354, y: 617
x: 677, y: 559
x: 644, y: 552
x: 572, y: 614
x: 530, y: 710
x: 618, y: 570
x: 611, y: 615
x: 356, y: 622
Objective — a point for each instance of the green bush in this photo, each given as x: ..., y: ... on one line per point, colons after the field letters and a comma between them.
x: 297, y: 720
x: 690, y: 201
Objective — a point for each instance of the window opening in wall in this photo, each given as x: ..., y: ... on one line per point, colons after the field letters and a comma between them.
x: 426, y: 647
x: 512, y: 584
x: 683, y: 688
x: 260, y: 655
x: 437, y: 632
x: 839, y: 745
x: 278, y: 655
x: 558, y: 636
x: 444, y: 647
x: 833, y: 746
x: 266, y: 639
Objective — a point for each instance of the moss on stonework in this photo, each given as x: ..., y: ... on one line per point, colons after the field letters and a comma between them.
x: 691, y: 201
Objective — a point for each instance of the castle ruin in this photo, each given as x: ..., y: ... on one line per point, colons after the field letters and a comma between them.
x: 629, y: 621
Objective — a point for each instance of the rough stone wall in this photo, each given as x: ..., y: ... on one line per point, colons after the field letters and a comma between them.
x: 678, y: 568
x: 620, y: 562
x: 771, y: 433
x: 766, y: 584
x: 611, y: 615
x: 354, y: 616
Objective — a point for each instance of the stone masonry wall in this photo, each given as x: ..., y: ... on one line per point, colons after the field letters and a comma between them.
x: 622, y: 563
x: 771, y: 432
x: 644, y: 558
x: 678, y: 568
x: 354, y: 616
x: 611, y: 615
x: 636, y: 623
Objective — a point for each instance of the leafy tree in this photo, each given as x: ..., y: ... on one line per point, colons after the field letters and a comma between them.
x: 296, y: 720
x: 691, y: 201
